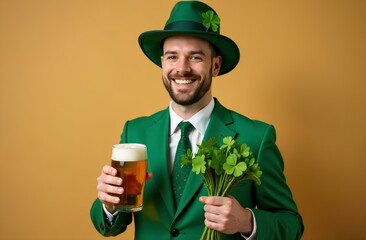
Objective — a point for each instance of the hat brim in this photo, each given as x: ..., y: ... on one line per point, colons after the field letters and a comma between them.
x: 151, y: 43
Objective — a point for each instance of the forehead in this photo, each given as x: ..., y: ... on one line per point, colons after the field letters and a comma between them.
x: 183, y: 42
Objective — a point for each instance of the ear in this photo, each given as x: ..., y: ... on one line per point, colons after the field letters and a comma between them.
x: 216, y: 62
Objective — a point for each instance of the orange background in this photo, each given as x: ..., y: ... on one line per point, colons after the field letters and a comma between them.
x: 71, y: 74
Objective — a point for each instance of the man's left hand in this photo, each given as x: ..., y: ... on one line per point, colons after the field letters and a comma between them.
x: 226, y: 215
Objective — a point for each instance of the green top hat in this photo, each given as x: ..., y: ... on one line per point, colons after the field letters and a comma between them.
x: 192, y: 18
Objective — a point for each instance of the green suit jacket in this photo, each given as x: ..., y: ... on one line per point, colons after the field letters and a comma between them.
x: 275, y: 211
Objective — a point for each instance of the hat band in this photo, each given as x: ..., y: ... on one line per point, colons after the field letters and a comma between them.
x: 187, y: 26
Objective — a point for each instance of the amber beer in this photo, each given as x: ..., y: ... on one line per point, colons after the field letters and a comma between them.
x: 130, y: 160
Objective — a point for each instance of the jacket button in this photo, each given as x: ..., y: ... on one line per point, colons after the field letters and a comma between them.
x: 174, y: 232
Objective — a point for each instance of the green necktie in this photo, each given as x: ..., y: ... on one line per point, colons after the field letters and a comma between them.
x: 180, y: 174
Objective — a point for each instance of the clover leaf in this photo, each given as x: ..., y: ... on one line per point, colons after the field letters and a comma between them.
x: 228, y: 143
x: 211, y: 20
x: 245, y: 150
x: 199, y: 164
x: 217, y: 162
x: 187, y: 158
x: 240, y: 169
x: 251, y: 162
x: 231, y: 167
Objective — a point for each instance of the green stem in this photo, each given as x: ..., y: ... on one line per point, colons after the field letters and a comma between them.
x: 228, y: 186
x: 209, y: 182
x: 217, y: 185
x: 210, y: 234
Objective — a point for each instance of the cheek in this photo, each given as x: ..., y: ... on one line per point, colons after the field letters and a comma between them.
x: 165, y: 72
x: 166, y: 68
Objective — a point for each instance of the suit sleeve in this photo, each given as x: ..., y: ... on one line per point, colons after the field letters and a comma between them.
x: 100, y: 221
x: 276, y: 214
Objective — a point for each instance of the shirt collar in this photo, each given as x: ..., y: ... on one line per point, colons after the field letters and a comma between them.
x: 200, y: 120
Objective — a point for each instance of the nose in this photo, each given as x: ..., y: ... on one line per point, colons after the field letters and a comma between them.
x: 183, y: 65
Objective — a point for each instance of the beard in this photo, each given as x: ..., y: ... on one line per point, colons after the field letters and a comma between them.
x: 203, y: 87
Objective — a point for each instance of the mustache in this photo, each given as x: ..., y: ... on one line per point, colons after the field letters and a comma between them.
x: 189, y: 76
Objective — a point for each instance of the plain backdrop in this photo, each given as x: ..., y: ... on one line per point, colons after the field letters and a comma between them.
x: 72, y: 73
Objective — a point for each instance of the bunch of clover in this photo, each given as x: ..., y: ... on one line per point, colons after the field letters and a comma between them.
x: 222, y: 167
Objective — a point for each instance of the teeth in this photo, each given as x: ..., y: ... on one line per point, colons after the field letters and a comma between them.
x: 183, y: 81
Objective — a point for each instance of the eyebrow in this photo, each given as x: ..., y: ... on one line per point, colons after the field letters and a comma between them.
x: 190, y: 53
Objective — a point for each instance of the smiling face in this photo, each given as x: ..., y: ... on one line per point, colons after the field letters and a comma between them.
x: 188, y: 65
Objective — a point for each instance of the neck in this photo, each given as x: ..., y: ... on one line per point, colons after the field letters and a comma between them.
x: 186, y: 112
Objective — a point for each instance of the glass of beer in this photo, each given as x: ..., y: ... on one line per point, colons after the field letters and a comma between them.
x: 130, y: 160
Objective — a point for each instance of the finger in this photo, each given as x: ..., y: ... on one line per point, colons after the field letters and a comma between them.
x: 214, y: 225
x: 219, y: 205
x: 109, y: 170
x: 212, y: 209
x: 113, y: 180
x: 108, y: 179
x: 108, y: 199
x: 148, y: 175
x: 217, y: 201
x: 212, y: 217
x: 109, y: 189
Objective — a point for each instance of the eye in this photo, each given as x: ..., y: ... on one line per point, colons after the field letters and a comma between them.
x: 170, y: 57
x: 196, y: 58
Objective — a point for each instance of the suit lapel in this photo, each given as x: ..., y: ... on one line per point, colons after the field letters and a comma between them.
x: 219, y: 124
x: 157, y: 140
x: 218, y: 128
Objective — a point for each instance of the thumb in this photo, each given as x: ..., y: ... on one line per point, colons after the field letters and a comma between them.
x: 202, y: 199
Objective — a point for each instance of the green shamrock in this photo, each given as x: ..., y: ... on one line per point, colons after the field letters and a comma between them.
x: 199, y: 164
x: 210, y: 20
x: 232, y: 167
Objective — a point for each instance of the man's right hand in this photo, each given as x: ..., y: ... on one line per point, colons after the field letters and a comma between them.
x: 108, y: 186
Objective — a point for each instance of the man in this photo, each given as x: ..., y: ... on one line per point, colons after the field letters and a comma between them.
x: 191, y: 51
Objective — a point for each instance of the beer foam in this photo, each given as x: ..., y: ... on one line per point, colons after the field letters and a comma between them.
x: 129, y: 152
